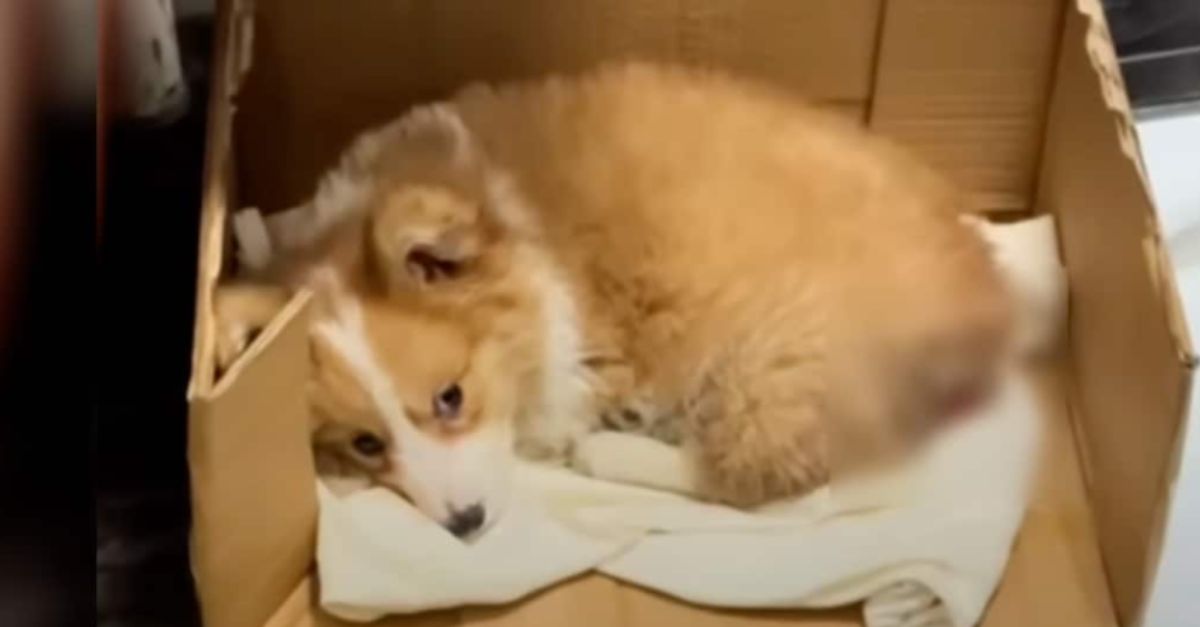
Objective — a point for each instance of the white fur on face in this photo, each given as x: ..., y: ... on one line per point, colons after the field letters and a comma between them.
x: 440, y: 476
x: 446, y: 476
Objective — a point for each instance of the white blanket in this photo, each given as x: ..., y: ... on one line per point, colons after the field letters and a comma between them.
x: 924, y: 545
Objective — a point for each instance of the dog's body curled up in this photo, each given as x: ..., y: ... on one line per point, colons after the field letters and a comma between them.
x: 680, y: 253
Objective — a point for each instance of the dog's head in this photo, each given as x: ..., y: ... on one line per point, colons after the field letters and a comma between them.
x: 430, y: 330
x: 419, y: 401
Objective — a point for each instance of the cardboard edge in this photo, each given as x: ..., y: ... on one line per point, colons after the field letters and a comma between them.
x: 1174, y: 464
x: 1087, y: 39
x: 253, y: 478
x: 294, y: 307
x: 1101, y: 53
x: 296, y: 607
x: 1158, y: 260
x: 233, y: 18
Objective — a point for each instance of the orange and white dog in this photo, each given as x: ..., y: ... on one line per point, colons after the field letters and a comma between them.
x: 675, y: 253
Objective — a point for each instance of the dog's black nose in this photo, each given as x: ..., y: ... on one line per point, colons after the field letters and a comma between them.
x: 464, y: 522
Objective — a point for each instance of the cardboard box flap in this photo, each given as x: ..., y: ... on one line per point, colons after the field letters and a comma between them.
x: 253, y: 495
x: 322, y: 73
x: 234, y: 25
x: 1103, y: 59
x: 1131, y: 359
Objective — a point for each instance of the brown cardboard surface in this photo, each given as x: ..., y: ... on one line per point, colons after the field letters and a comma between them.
x: 322, y: 73
x: 235, y: 25
x: 253, y: 481
x: 1131, y: 366
x: 1055, y: 576
x: 1054, y: 579
x: 964, y: 83
x: 851, y: 110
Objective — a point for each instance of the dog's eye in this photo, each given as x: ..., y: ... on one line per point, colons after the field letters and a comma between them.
x: 368, y: 444
x: 448, y: 402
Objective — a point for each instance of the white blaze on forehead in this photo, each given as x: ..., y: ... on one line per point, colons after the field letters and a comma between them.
x: 439, y: 475
x: 343, y: 329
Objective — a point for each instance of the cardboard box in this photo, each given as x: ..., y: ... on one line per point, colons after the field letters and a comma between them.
x: 1020, y: 101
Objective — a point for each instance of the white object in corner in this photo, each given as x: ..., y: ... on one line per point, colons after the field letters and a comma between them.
x: 1027, y: 253
x: 253, y: 241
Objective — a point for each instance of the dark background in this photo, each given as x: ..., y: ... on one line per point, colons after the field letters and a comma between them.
x: 149, y: 239
x: 1159, y: 46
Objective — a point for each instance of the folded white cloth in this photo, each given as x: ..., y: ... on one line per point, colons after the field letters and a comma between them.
x: 924, y: 545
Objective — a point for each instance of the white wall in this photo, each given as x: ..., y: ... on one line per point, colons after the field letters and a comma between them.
x: 1171, y: 149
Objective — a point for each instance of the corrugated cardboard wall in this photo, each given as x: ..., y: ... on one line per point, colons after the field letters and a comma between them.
x: 324, y: 71
x: 1130, y: 364
x: 964, y: 83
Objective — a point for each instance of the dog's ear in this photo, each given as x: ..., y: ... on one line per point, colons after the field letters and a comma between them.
x: 437, y: 132
x: 424, y: 236
x: 437, y: 218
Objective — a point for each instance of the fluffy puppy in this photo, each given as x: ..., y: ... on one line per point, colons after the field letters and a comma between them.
x: 702, y: 259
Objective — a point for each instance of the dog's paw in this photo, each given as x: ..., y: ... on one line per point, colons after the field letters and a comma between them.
x: 541, y: 451
x: 231, y: 341
x: 241, y: 312
x: 551, y: 442
x: 341, y: 477
x: 642, y: 417
x: 595, y: 454
x: 635, y: 460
